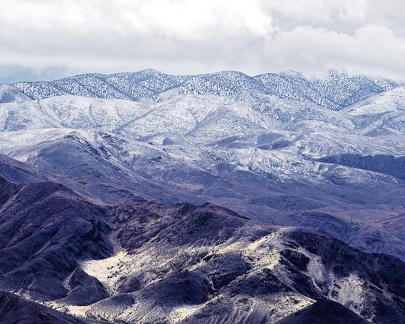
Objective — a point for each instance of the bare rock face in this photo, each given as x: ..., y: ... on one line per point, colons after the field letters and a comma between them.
x: 324, y: 311
x: 204, y: 264
x: 83, y: 289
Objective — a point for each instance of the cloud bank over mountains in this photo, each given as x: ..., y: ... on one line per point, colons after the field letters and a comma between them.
x: 188, y: 37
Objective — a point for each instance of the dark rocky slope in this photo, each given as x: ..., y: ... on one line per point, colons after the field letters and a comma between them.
x: 206, y: 264
x: 145, y: 262
x: 45, y: 231
x: 14, y: 309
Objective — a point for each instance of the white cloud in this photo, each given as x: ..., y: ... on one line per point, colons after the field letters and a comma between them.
x: 192, y: 36
x: 372, y: 49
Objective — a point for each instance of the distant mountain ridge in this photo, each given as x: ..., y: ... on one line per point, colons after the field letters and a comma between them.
x: 335, y: 91
x: 18, y: 73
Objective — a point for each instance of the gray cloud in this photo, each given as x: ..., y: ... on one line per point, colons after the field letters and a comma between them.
x: 191, y: 36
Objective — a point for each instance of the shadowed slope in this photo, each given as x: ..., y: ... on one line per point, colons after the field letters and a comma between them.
x: 14, y: 309
x: 45, y: 231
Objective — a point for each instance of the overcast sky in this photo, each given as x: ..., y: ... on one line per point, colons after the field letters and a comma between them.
x: 199, y: 36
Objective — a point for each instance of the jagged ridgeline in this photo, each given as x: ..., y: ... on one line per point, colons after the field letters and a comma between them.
x: 334, y: 90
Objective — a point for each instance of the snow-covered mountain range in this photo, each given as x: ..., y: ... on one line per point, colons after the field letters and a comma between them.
x: 318, y: 152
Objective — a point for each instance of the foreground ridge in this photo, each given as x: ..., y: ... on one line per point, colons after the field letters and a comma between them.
x: 148, y: 262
